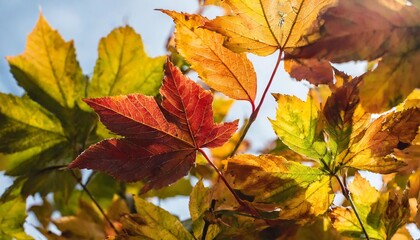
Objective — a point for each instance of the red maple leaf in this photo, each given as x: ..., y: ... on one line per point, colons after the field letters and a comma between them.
x: 161, y: 138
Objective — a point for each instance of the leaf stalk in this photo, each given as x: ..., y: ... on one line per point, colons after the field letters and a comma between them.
x: 256, y: 110
x: 85, y: 189
x: 346, y: 193
x: 250, y: 208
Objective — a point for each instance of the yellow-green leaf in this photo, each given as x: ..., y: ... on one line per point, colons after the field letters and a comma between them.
x: 381, y: 213
x: 343, y: 114
x: 12, y: 218
x: 180, y: 188
x: 296, y: 124
x: 24, y: 124
x: 300, y: 192
x: 48, y: 69
x: 225, y: 71
x: 153, y: 222
x: 124, y: 67
x: 221, y: 106
x: 199, y: 205
x: 262, y: 27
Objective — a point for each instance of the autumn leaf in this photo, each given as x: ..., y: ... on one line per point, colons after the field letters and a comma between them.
x: 262, y: 27
x: 48, y: 69
x: 86, y: 224
x: 223, y: 70
x: 360, y: 30
x: 24, y: 124
x: 221, y: 106
x: 296, y: 125
x: 300, y: 192
x: 41, y: 130
x: 50, y: 74
x: 374, y: 150
x: 123, y: 66
x: 181, y: 188
x: 313, y: 70
x: 160, y: 139
x: 381, y: 213
x: 199, y: 205
x: 397, y: 77
x: 366, y: 30
x: 12, y: 217
x: 343, y: 116
x: 152, y: 222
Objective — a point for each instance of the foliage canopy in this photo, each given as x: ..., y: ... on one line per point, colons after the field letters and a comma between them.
x: 153, y: 129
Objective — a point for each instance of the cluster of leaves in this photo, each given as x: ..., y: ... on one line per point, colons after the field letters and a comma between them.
x: 157, y: 122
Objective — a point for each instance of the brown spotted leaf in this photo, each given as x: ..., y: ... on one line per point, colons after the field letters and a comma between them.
x: 374, y: 151
x: 367, y: 30
x: 313, y: 70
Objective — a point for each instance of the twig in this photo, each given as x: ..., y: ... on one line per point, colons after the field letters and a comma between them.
x: 85, y: 189
x: 250, y: 207
x: 256, y: 110
x: 346, y: 193
x: 238, y: 199
x: 207, y: 223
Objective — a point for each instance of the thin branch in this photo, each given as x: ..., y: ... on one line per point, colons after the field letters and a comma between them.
x: 256, y: 110
x: 85, y: 189
x: 346, y: 193
x: 249, y: 207
x: 207, y: 223
x: 238, y: 199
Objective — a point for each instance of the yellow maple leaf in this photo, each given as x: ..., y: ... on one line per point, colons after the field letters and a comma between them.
x: 262, y: 27
x: 223, y: 70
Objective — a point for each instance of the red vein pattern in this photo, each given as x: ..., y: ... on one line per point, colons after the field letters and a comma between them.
x: 160, y: 138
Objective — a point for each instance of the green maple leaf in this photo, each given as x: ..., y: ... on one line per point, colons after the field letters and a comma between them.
x: 152, y: 222
x: 12, y: 217
x: 295, y: 190
x: 45, y: 129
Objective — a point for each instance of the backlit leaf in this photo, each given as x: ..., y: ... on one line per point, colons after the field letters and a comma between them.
x: 297, y: 190
x: 394, y: 78
x: 262, y: 27
x: 153, y: 222
x: 361, y: 30
x: 86, y: 224
x: 388, y: 132
x: 181, y: 188
x: 24, y: 124
x: 123, y: 66
x: 48, y: 69
x: 44, y: 137
x: 199, y: 205
x: 343, y: 114
x: 161, y: 139
x: 221, y: 106
x: 381, y: 214
x: 103, y: 187
x: 12, y: 217
x: 225, y: 71
x: 296, y: 125
x: 366, y: 30
x: 313, y: 70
